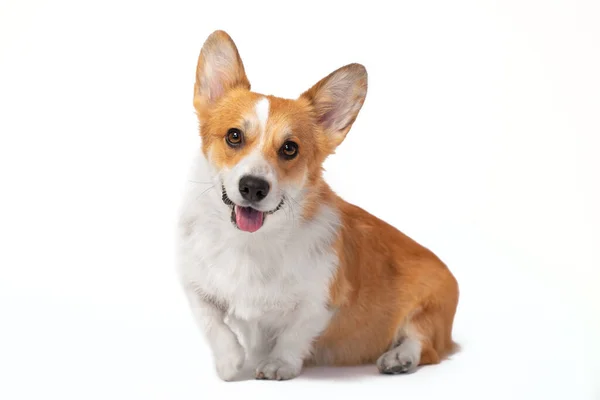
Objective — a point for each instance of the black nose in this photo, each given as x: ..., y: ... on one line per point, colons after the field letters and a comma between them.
x: 253, y: 188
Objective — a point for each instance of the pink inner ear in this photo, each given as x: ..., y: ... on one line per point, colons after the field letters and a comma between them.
x: 215, y: 91
x: 213, y: 85
x: 222, y: 70
x: 329, y: 118
x: 339, y: 106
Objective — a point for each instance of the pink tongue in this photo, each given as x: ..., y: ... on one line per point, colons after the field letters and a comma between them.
x: 248, y: 219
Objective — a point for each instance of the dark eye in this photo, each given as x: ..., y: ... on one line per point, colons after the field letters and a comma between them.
x: 234, y: 137
x: 289, y: 150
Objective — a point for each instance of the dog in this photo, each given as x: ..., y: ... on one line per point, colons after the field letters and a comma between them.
x: 279, y: 271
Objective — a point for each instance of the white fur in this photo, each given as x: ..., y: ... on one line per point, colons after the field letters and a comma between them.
x: 262, y: 112
x: 270, y: 287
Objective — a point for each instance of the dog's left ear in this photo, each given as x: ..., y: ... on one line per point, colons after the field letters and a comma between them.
x: 337, y: 99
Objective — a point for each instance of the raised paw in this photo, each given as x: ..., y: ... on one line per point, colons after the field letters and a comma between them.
x: 399, y: 360
x: 230, y: 362
x: 277, y: 369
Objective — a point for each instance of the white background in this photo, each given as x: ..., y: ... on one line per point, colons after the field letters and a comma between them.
x: 479, y: 138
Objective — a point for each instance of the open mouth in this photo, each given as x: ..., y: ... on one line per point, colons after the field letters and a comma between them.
x: 247, y: 219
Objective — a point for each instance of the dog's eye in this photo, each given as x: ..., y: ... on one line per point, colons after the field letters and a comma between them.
x: 289, y: 150
x: 234, y: 137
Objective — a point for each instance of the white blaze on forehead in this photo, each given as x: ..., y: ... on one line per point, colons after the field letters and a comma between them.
x: 262, y: 113
x: 255, y: 163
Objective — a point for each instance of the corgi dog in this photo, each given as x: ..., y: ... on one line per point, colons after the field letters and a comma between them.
x: 279, y: 271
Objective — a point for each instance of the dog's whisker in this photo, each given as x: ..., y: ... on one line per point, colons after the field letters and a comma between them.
x: 287, y: 211
x: 205, y: 191
x: 293, y: 218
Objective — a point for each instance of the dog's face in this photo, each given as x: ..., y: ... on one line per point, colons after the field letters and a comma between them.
x: 267, y: 152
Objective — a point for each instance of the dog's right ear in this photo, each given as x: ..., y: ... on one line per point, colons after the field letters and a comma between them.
x: 219, y: 69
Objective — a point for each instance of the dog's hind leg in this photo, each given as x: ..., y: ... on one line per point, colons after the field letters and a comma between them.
x: 425, y: 338
x: 405, y: 354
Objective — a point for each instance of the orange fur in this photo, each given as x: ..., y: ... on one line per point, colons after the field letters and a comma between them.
x: 385, y: 281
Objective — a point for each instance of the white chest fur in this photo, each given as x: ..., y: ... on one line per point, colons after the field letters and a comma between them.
x: 255, y: 276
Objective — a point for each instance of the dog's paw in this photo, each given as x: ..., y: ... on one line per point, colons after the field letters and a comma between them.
x: 277, y: 369
x: 399, y: 360
x: 230, y: 362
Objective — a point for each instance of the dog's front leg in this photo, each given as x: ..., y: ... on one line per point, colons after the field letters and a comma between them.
x: 294, y: 341
x: 227, y: 352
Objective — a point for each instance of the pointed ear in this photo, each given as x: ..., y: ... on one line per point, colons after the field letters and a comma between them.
x: 219, y: 69
x: 337, y: 99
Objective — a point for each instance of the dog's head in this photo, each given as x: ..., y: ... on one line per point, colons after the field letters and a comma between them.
x: 266, y: 151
